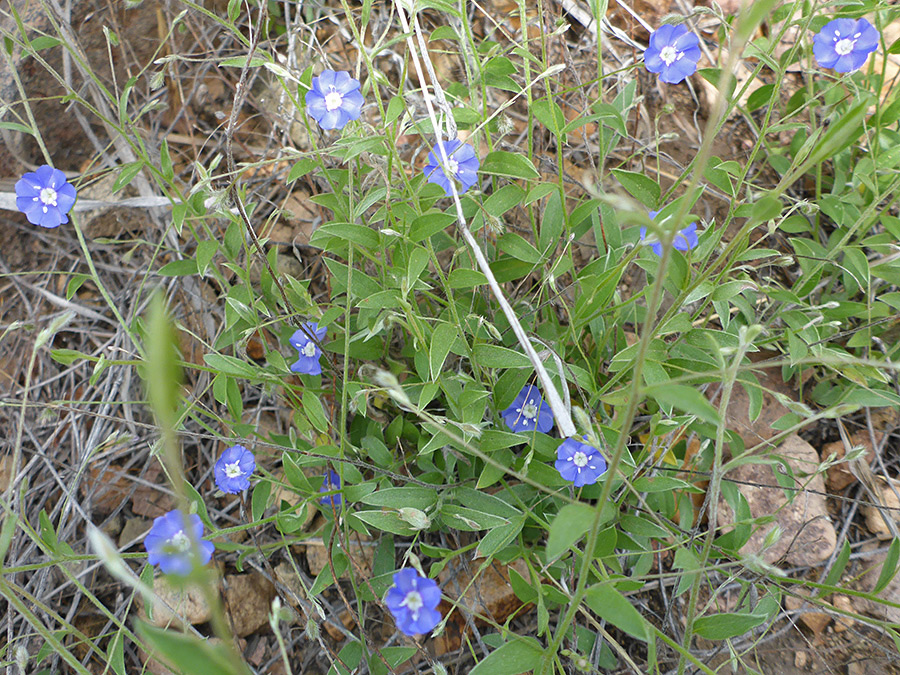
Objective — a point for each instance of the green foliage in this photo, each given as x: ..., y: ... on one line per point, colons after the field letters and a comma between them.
x: 794, y: 280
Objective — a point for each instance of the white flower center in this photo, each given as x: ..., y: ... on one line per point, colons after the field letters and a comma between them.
x: 179, y: 542
x: 309, y: 349
x: 48, y: 196
x: 669, y: 55
x: 845, y: 46
x: 233, y: 470
x: 580, y: 459
x: 453, y: 165
x: 333, y: 100
x: 414, y: 603
x: 529, y: 410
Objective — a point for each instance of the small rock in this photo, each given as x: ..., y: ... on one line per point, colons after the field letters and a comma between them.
x: 815, y: 621
x: 839, y: 476
x: 248, y: 599
x: 362, y: 550
x: 737, y: 415
x: 889, y: 489
x: 187, y: 601
x: 285, y: 575
x: 800, y: 660
x: 842, y: 623
x: 113, y: 526
x: 133, y: 530
x: 808, y: 537
x: 333, y: 631
x: 491, y: 594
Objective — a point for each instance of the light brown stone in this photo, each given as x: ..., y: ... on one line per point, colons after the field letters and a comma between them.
x: 875, y: 517
x: 839, y: 476
x: 491, y: 593
x: 808, y: 536
x: 248, y: 600
x: 842, y: 623
x: 132, y: 530
x: 815, y: 621
x: 187, y: 601
x: 361, y: 550
x: 737, y: 415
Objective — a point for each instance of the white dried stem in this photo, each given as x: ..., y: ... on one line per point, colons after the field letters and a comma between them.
x: 560, y: 411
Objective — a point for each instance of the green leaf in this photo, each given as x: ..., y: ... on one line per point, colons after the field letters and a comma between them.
x: 840, y: 564
x: 260, y: 499
x: 179, y: 268
x: 43, y: 42
x: 349, y: 232
x: 686, y: 560
x: 843, y: 132
x: 888, y: 568
x: 612, y: 606
x: 445, y: 334
x: 767, y: 208
x: 396, y: 497
x: 504, y: 199
x: 116, y: 653
x: 552, y: 223
x: 127, y: 174
x: 570, y: 524
x: 241, y: 61
x: 205, y: 252
x: 230, y: 365
x: 501, y: 163
x: 519, y: 248
x: 644, y: 189
x: 499, y: 537
x: 684, y: 398
x: 192, y: 655
x: 46, y: 530
x: 465, y: 278
x: 723, y: 626
x: 15, y: 126
x: 470, y: 520
x: 513, y: 658
x: 75, y: 282
x: 550, y: 115
x: 429, y: 224
x: 386, y: 521
x: 315, y: 412
x: 194, y: 497
x: 495, y: 356
x: 301, y: 168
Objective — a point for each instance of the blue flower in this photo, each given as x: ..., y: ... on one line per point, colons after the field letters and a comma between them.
x: 331, y: 483
x: 580, y: 463
x: 334, y: 99
x: 308, y: 351
x: 673, y: 53
x: 845, y: 44
x: 528, y: 412
x: 45, y: 197
x: 463, y: 166
x: 413, y: 600
x: 685, y: 240
x: 170, y: 547
x: 234, y: 468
